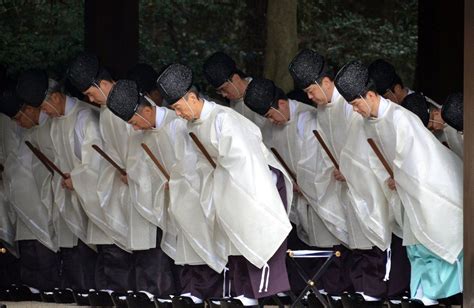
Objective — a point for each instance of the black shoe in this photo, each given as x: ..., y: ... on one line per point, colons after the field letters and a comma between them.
x: 81, y: 298
x: 100, y: 298
x: 334, y: 303
x: 160, y: 304
x: 119, y: 299
x: 231, y: 303
x: 5, y: 294
x: 64, y: 296
x: 139, y: 300
x: 313, y: 301
x: 47, y: 297
x: 414, y: 303
x: 185, y: 302
x: 22, y: 293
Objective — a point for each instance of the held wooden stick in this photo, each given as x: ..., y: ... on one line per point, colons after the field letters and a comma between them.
x: 326, y: 149
x: 382, y: 159
x: 155, y: 160
x: 202, y: 149
x: 282, y: 162
x: 110, y: 160
x: 45, y: 160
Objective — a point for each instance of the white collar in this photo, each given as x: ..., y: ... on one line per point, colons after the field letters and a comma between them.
x: 206, y: 109
x: 159, y: 116
x: 43, y: 117
x: 383, y: 106
x: 70, y: 103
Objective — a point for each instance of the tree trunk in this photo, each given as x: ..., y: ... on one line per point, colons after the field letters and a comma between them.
x: 281, y: 43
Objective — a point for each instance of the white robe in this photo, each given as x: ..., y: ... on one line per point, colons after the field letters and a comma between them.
x: 428, y: 178
x: 295, y: 142
x: 369, y: 198
x: 28, y: 187
x: 73, y: 135
x: 455, y: 140
x: 122, y: 144
x: 240, y: 195
x: 334, y: 120
x: 177, y: 211
x: 9, y: 142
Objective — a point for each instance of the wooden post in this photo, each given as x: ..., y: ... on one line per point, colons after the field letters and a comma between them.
x: 468, y: 153
x: 111, y: 32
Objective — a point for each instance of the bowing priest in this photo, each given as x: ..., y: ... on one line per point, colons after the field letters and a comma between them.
x: 36, y: 89
x: 387, y: 82
x: 364, y: 222
x: 122, y: 144
x: 230, y: 83
x: 172, y: 204
x: 452, y: 114
x: 289, y: 131
x: 243, y: 196
x: 145, y: 76
x: 427, y: 178
x: 24, y: 179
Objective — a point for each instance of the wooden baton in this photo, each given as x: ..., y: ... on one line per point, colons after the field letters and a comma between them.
x: 380, y: 156
x: 326, y: 149
x: 156, y: 161
x: 45, y: 160
x: 110, y: 160
x: 202, y: 149
x: 283, y: 163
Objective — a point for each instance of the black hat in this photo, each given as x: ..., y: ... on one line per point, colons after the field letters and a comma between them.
x: 261, y: 94
x: 32, y: 87
x: 83, y: 71
x: 219, y: 68
x: 352, y: 80
x: 10, y: 104
x: 383, y: 74
x: 306, y: 68
x: 124, y: 99
x: 174, y: 82
x: 416, y: 103
x: 145, y: 76
x: 453, y: 110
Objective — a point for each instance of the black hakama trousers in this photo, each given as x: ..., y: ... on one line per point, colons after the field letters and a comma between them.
x: 114, y: 269
x: 9, y: 269
x: 39, y: 266
x: 251, y: 281
x: 154, y: 271
x: 78, y: 267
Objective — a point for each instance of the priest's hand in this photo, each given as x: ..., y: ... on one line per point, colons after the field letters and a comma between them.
x: 67, y: 183
x: 338, y: 175
x: 296, y: 189
x: 391, y: 184
x: 124, y: 179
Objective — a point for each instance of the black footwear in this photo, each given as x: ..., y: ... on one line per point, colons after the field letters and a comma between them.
x: 334, y: 303
x: 313, y: 301
x: 185, y: 302
x: 139, y: 300
x: 47, y: 296
x: 5, y: 294
x: 100, y: 298
x: 414, y: 303
x: 81, y: 298
x: 161, y: 304
x: 23, y: 293
x: 231, y: 303
x: 119, y: 299
x: 63, y: 296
